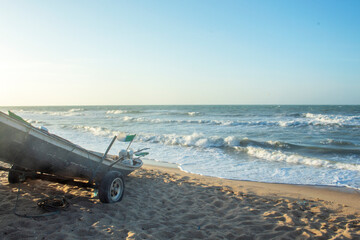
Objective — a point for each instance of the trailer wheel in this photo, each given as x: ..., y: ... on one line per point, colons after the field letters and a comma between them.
x: 111, y: 187
x: 15, y: 177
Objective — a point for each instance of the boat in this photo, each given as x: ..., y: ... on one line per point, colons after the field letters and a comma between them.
x: 31, y: 149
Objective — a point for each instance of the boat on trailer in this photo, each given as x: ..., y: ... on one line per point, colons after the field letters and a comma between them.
x: 30, y: 149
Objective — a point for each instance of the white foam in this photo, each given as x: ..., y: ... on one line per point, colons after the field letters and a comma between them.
x: 331, y: 119
x: 193, y: 140
x: 97, y: 131
x: 212, y: 162
x: 201, y: 121
x: 76, y: 110
x: 278, y: 144
x: 279, y: 156
x: 232, y: 141
x: 116, y: 112
x: 31, y: 121
x: 193, y: 113
x: 160, y: 121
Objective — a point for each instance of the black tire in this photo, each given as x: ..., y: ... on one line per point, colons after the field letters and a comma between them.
x: 14, y: 176
x: 112, y: 187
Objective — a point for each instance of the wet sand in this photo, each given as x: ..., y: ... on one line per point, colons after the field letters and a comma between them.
x: 166, y: 203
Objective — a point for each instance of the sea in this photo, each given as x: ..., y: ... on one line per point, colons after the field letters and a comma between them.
x: 308, y: 145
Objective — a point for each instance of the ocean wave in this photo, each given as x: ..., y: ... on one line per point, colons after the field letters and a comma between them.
x: 117, y: 112
x: 331, y: 119
x: 176, y: 113
x: 165, y: 121
x: 273, y: 151
x: 76, y: 110
x: 71, y: 112
x: 232, y: 143
x: 193, y: 140
x: 200, y: 140
x: 295, y: 115
x: 337, y: 142
x: 31, y: 121
x: 352, y: 122
x: 193, y: 113
x: 66, y: 113
x: 201, y: 121
x: 279, y: 156
x: 97, y: 131
x: 229, y: 142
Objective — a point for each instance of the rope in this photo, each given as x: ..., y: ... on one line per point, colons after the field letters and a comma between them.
x: 51, y: 204
x: 54, y: 203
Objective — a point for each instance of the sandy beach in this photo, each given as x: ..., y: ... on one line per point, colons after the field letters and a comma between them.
x: 166, y: 203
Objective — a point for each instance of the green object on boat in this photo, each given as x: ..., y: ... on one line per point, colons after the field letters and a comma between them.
x: 129, y: 138
x: 14, y: 116
x: 122, y: 137
x: 141, y: 154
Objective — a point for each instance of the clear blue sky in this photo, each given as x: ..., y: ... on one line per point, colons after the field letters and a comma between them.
x: 179, y: 52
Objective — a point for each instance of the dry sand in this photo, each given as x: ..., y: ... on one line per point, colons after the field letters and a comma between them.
x: 163, y: 203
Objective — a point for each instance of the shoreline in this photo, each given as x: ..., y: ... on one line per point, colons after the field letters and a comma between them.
x: 176, y: 166
x: 340, y: 194
x: 350, y: 198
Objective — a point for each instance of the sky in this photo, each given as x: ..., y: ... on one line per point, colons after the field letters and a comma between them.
x: 179, y: 52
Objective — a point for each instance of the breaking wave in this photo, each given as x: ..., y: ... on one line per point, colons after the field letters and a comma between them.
x: 193, y: 113
x: 279, y: 156
x: 202, y: 121
x: 71, y: 112
x: 331, y: 119
x: 76, y: 110
x: 229, y: 142
x: 267, y: 151
x: 338, y: 143
x: 118, y: 112
x: 97, y: 131
x: 354, y: 122
x: 161, y: 121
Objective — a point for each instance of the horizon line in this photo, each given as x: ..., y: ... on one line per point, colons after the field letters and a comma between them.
x: 249, y: 104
